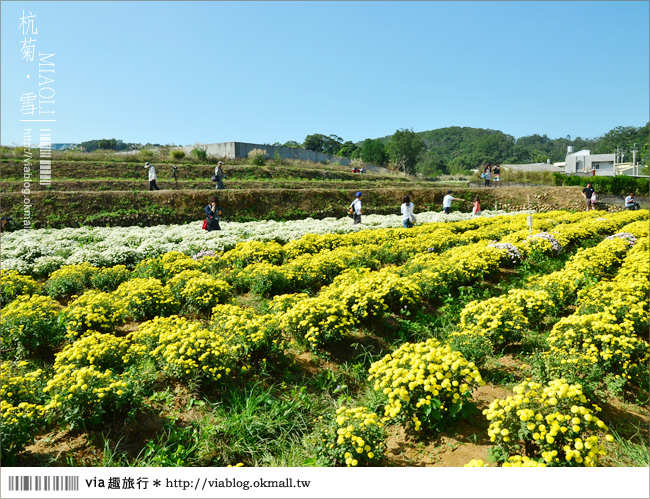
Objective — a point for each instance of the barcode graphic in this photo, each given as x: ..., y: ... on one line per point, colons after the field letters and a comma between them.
x: 43, y: 483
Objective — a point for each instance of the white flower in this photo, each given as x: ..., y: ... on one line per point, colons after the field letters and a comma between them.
x: 511, y: 250
x: 16, y: 264
x: 624, y: 235
x: 557, y: 247
x: 108, y: 246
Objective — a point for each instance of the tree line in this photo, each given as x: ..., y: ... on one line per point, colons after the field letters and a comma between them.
x: 402, y: 149
x: 112, y: 145
x: 453, y: 150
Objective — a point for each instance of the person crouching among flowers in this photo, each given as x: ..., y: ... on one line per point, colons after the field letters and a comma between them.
x: 212, y: 215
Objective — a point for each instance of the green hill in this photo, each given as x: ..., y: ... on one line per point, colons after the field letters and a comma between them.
x: 456, y: 149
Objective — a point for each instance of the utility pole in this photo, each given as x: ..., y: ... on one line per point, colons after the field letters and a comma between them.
x: 634, y: 172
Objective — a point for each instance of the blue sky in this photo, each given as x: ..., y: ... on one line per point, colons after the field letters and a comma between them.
x: 265, y: 72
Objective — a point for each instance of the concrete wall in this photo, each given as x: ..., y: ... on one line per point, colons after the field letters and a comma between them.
x: 570, y: 166
x: 222, y: 150
x: 602, y: 163
x: 532, y: 167
x: 232, y: 150
x: 242, y: 149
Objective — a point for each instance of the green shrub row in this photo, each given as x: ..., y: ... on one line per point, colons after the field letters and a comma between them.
x: 619, y: 185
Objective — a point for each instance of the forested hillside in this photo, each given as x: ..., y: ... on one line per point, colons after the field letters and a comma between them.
x: 454, y: 149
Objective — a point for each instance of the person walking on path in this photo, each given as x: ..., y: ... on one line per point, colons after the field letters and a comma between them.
x: 152, y: 176
x: 488, y: 174
x: 446, y: 202
x: 212, y: 214
x: 496, y: 175
x: 356, y: 206
x: 408, y: 218
x: 590, y: 196
x: 630, y: 203
x: 219, y: 175
x: 476, y: 210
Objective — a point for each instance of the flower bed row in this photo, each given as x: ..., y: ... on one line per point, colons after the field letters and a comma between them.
x: 43, y: 251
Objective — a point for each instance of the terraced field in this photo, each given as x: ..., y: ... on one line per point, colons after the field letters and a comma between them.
x: 101, y: 192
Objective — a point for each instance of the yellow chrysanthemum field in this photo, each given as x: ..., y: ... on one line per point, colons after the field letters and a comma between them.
x: 500, y: 345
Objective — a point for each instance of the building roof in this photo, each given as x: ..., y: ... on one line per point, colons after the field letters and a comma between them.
x: 582, y: 152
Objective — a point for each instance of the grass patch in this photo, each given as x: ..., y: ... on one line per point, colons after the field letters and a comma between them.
x: 632, y: 451
x: 256, y: 425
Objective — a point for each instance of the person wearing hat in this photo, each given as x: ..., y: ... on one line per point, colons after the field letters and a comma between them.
x: 446, y: 202
x: 152, y: 176
x: 219, y: 176
x: 356, y: 206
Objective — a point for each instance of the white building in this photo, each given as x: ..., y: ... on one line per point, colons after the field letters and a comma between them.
x: 585, y: 163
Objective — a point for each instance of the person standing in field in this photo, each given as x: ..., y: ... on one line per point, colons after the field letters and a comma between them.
x: 496, y: 175
x: 476, y: 210
x: 219, y: 175
x: 356, y: 207
x: 408, y: 218
x: 590, y: 195
x: 446, y: 202
x: 152, y: 176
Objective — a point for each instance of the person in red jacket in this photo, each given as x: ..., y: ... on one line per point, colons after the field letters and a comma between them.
x: 476, y: 210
